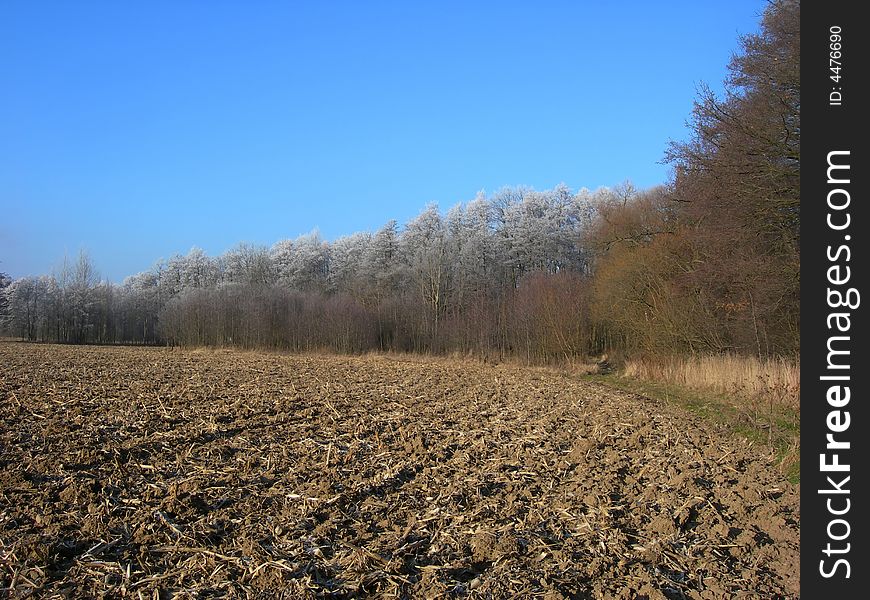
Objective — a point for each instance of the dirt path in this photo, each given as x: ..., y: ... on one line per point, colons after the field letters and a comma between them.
x: 130, y: 471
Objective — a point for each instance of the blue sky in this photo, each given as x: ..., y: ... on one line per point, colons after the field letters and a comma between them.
x: 138, y: 131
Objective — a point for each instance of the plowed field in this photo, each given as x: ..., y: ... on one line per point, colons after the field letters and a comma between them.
x: 152, y: 473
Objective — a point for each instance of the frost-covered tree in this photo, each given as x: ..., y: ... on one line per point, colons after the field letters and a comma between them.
x: 380, y: 282
x: 309, y: 266
x: 76, y: 282
x: 381, y: 262
x: 423, y: 246
x: 198, y: 270
x: 5, y: 280
x: 248, y: 264
x: 347, y: 264
x: 471, y: 250
x: 31, y: 310
x: 281, y: 255
x: 301, y: 264
x: 141, y: 301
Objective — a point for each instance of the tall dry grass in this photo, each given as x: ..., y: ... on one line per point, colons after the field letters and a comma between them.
x: 774, y: 383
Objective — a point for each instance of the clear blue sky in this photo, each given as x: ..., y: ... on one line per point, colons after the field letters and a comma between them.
x: 136, y: 131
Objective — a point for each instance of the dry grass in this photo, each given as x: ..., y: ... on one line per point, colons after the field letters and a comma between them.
x: 772, y: 381
x: 757, y: 398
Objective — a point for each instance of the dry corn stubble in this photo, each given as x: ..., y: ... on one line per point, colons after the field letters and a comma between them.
x: 140, y: 472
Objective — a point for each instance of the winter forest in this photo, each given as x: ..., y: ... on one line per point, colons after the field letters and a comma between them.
x: 707, y: 263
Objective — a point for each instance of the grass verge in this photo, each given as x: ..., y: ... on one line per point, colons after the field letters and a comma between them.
x: 772, y: 424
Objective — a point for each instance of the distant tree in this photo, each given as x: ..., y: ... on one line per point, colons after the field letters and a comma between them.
x: 281, y: 255
x: 551, y: 317
x: 198, y: 270
x: 381, y: 273
x: 347, y: 265
x: 381, y: 259
x: 140, y: 304
x: 738, y: 180
x: 423, y: 247
x: 249, y: 264
x: 309, y: 267
x: 642, y: 297
x: 5, y: 281
x: 459, y: 236
x: 77, y: 282
x: 29, y: 307
x: 744, y: 155
x: 711, y: 263
x: 477, y: 276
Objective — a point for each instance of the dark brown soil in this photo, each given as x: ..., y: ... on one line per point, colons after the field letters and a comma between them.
x: 151, y: 473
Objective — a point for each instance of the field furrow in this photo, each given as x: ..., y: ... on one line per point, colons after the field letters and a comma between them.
x: 148, y: 472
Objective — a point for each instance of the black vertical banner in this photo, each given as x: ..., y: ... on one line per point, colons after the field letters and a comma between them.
x: 835, y: 432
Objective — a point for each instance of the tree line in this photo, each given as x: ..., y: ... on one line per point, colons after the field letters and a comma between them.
x: 465, y: 281
x: 708, y: 263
